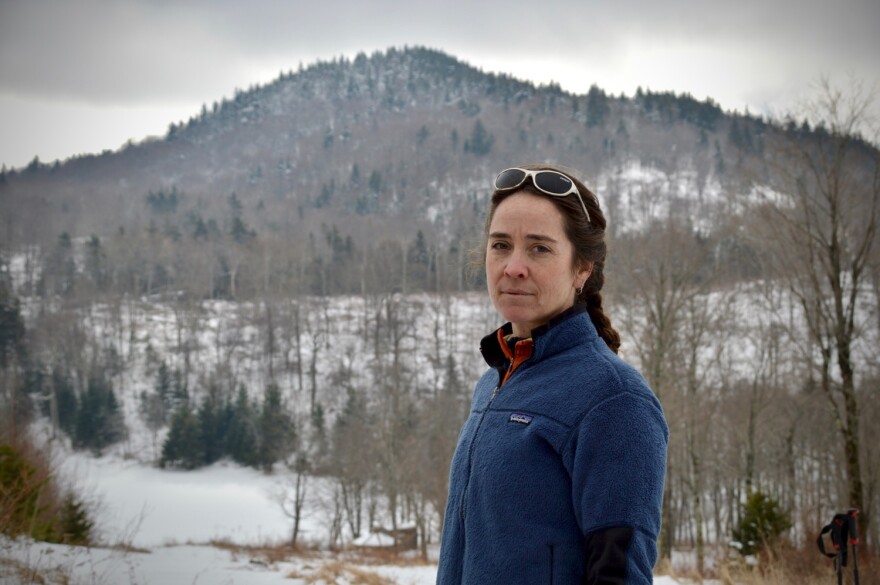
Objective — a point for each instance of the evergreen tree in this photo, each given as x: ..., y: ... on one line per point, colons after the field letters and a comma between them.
x: 719, y: 159
x: 323, y: 199
x: 480, y: 142
x: 164, y: 387
x: 183, y: 445
x: 179, y: 392
x: 198, y: 227
x: 240, y: 231
x: 155, y: 406
x: 597, y: 107
x: 99, y: 422
x: 213, y: 425
x: 66, y: 402
x: 275, y: 429
x: 162, y: 203
x: 375, y: 182
x: 241, y: 438
x: 419, y: 249
x: 12, y: 328
x: 422, y: 135
x: 74, y: 521
x: 734, y: 135
x: 96, y: 263
x: 761, y: 523
x: 235, y: 203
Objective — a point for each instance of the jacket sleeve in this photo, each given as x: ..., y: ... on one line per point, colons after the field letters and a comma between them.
x: 616, y: 457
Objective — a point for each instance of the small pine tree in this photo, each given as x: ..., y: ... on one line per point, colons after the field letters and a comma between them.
x: 96, y: 263
x: 422, y: 135
x: 241, y: 439
x: 99, y: 421
x: 183, y: 445
x: 213, y: 427
x: 597, y: 107
x: 75, y: 524
x: 275, y: 429
x: 12, y: 330
x: 66, y: 401
x: 480, y: 142
x: 762, y: 522
x: 240, y: 231
x: 156, y: 405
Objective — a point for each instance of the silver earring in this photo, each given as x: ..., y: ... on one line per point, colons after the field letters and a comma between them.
x: 580, y: 289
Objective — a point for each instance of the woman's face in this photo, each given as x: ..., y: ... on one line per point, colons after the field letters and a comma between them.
x: 529, y: 262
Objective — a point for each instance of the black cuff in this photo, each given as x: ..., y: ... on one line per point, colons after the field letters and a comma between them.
x: 605, y: 555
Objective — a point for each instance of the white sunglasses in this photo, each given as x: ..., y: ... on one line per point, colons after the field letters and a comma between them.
x: 549, y: 182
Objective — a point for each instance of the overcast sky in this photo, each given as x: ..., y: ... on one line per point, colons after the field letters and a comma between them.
x: 81, y: 76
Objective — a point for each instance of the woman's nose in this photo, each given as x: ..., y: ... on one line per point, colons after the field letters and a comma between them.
x: 516, y: 266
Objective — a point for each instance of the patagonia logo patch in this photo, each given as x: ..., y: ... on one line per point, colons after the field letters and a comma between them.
x: 522, y: 419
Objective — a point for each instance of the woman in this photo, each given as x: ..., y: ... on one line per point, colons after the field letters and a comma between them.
x: 558, y: 474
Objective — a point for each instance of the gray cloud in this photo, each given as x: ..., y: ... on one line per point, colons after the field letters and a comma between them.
x: 104, y: 50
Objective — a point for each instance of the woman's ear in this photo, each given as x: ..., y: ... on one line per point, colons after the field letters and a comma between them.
x: 583, y: 274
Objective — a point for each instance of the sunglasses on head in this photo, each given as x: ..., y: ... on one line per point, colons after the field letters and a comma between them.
x: 549, y: 182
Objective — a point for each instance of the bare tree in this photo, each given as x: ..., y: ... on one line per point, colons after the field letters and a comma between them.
x: 395, y: 335
x: 292, y: 495
x: 705, y: 329
x: 823, y: 218
x: 663, y: 276
x: 318, y: 338
x: 352, y: 456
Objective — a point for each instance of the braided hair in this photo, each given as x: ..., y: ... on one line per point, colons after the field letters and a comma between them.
x: 588, y: 239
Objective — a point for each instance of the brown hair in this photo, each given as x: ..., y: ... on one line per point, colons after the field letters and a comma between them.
x: 587, y: 237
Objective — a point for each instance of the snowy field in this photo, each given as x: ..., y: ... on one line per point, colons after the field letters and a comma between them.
x: 146, y: 507
x: 163, y: 524
x: 194, y: 565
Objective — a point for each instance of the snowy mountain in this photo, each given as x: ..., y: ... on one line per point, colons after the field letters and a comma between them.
x: 410, y: 134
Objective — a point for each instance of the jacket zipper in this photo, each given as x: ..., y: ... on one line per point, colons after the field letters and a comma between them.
x: 511, y: 370
x: 471, y: 454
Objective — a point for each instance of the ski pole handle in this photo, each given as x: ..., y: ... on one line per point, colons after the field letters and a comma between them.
x: 853, y: 514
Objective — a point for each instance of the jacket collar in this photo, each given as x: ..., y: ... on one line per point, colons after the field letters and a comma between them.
x: 497, y: 358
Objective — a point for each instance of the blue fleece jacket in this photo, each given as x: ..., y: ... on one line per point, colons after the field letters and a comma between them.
x: 558, y: 474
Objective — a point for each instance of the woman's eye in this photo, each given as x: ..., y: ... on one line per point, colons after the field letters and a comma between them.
x: 540, y: 249
x: 499, y: 245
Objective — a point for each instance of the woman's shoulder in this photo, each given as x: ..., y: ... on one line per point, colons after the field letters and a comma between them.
x: 595, y: 374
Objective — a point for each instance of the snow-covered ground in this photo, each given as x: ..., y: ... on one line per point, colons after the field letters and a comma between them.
x: 192, y: 565
x: 200, y: 564
x: 144, y: 506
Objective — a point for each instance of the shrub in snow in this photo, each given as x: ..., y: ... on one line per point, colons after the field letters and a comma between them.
x: 30, y: 503
x: 761, y: 523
